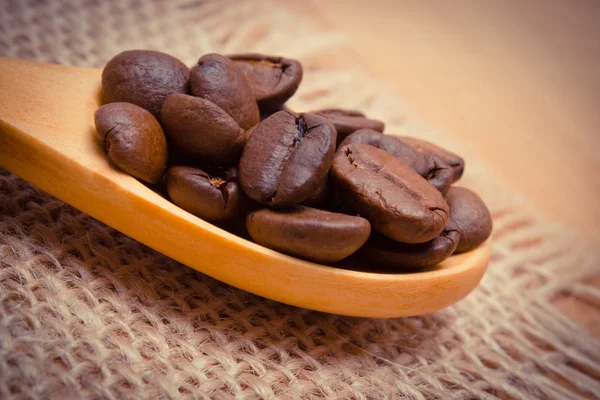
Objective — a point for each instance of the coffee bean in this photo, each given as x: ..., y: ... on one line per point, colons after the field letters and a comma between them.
x: 396, y: 200
x: 273, y: 79
x: 424, y: 147
x: 216, y: 78
x: 267, y: 112
x: 348, y: 121
x: 200, y: 129
x: 134, y: 140
x: 287, y: 161
x: 392, y: 256
x: 144, y: 78
x: 249, y: 133
x: 320, y: 196
x: 429, y: 167
x: 212, y: 197
x: 286, y: 157
x: 309, y: 233
x: 471, y: 215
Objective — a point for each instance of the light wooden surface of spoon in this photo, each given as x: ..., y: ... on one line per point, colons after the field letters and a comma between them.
x: 47, y: 138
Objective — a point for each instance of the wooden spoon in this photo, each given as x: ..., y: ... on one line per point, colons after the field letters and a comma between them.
x: 47, y: 137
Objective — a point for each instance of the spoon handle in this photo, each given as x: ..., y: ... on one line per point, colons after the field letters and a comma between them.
x: 47, y: 137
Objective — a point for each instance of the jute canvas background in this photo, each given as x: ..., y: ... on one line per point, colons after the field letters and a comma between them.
x: 86, y: 312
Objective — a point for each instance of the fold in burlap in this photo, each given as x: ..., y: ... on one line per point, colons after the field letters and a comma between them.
x: 86, y: 312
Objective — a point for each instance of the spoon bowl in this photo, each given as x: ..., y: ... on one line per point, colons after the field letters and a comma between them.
x: 47, y: 138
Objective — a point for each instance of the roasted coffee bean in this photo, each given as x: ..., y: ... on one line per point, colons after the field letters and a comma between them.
x: 429, y: 167
x: 267, y: 112
x: 212, y: 197
x: 308, y: 233
x: 321, y: 194
x: 144, y: 78
x: 472, y: 216
x: 392, y: 256
x: 249, y: 133
x: 216, y: 78
x: 396, y: 200
x: 134, y: 140
x: 348, y: 121
x: 455, y: 161
x: 200, y: 129
x: 273, y: 79
x: 286, y: 157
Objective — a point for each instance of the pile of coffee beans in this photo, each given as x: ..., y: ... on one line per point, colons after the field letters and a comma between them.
x: 220, y: 142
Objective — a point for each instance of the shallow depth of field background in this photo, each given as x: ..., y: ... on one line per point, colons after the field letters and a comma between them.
x: 518, y: 80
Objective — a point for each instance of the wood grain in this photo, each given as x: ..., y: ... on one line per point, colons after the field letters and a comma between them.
x: 47, y: 137
x: 517, y: 81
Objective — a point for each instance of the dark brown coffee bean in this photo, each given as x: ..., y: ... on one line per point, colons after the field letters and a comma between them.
x: 200, y: 129
x: 392, y: 256
x: 424, y: 147
x: 321, y: 194
x: 429, y: 167
x: 308, y: 233
x: 134, y: 140
x: 396, y: 200
x: 144, y: 78
x: 267, y: 112
x: 212, y: 197
x: 249, y: 133
x: 471, y: 215
x: 216, y: 78
x: 348, y: 121
x: 286, y: 157
x: 273, y: 79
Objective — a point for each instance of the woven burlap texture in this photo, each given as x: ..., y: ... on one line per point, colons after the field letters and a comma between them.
x: 86, y: 312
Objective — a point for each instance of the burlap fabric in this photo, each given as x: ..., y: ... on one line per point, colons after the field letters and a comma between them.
x: 86, y: 312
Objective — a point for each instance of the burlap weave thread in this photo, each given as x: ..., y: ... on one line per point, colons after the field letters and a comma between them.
x: 87, y: 312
